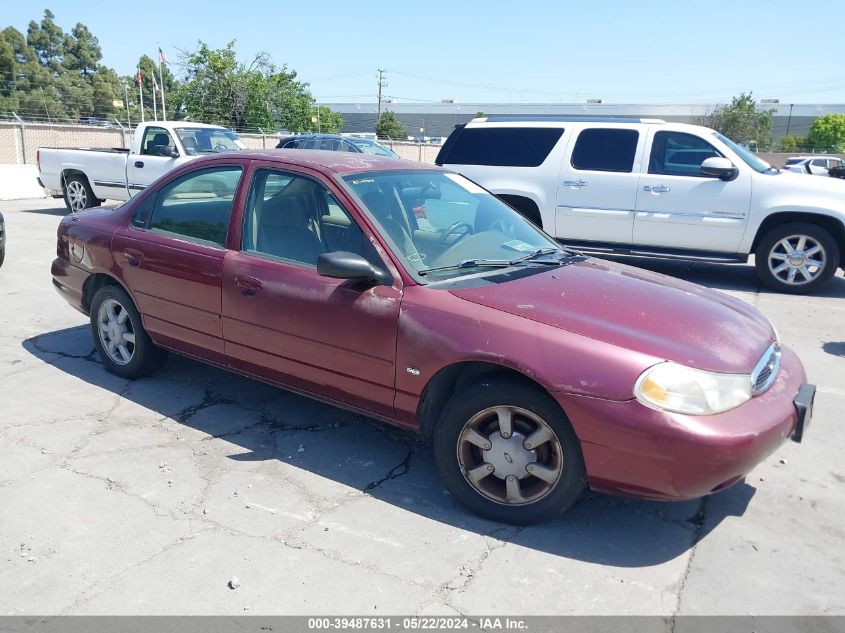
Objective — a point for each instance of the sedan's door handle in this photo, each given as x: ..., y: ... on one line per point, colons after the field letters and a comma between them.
x: 139, y: 164
x: 248, y: 285
x: 575, y: 184
x: 133, y: 257
x: 656, y: 188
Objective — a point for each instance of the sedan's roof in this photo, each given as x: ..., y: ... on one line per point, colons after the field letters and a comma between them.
x: 340, y: 163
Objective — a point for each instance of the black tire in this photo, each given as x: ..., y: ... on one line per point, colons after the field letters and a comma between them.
x: 78, y: 194
x: 770, y: 246
x: 2, y: 255
x: 146, y: 358
x: 505, y: 391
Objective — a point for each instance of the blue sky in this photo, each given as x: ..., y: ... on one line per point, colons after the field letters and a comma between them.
x: 543, y: 51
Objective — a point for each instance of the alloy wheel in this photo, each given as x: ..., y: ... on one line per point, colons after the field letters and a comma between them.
x: 77, y: 195
x: 117, y: 334
x: 510, y: 455
x: 797, y: 259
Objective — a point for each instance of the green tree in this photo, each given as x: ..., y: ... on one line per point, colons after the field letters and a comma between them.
x: 827, y: 133
x: 743, y: 122
x: 219, y: 89
x: 791, y: 143
x: 388, y: 126
x: 82, y: 51
x: 47, y: 40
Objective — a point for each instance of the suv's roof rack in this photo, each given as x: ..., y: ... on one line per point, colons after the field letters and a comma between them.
x: 565, y: 119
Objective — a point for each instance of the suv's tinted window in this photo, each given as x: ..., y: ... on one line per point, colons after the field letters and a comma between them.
x: 605, y: 149
x: 503, y: 146
x: 197, y: 206
x: 820, y: 162
x: 679, y: 154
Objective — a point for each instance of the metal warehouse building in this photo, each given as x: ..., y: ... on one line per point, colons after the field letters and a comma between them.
x: 438, y: 119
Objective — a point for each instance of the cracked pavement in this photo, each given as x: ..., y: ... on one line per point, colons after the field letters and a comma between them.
x: 147, y: 496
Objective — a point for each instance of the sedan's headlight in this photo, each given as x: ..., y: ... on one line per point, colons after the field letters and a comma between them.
x: 672, y: 387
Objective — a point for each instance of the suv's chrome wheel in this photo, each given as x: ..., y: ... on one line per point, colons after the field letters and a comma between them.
x: 510, y: 455
x: 797, y: 259
x: 116, y: 332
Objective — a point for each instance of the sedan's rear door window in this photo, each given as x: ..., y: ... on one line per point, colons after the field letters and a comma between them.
x: 197, y: 206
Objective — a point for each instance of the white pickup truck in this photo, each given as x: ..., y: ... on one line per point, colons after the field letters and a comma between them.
x: 87, y: 176
x: 648, y: 188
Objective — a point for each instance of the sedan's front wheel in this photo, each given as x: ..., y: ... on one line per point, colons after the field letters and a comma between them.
x: 506, y: 450
x: 119, y: 337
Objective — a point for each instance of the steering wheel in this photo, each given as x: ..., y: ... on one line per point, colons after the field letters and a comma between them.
x: 455, y: 229
x: 504, y: 226
x: 220, y: 147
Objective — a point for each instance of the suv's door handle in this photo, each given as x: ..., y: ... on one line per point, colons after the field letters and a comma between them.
x: 656, y: 188
x: 139, y: 164
x: 133, y: 257
x: 248, y: 285
x: 575, y: 184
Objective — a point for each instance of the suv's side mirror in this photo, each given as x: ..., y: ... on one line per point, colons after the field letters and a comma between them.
x: 344, y: 265
x: 719, y: 167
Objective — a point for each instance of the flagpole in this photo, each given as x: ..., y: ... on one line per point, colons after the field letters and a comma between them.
x: 161, y: 87
x: 155, y: 106
x: 141, y: 94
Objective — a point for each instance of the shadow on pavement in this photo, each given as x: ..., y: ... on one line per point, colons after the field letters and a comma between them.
x: 59, y: 211
x: 836, y: 349
x: 389, y: 464
x: 731, y: 277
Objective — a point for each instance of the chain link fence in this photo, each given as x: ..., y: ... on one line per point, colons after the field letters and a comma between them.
x: 20, y: 140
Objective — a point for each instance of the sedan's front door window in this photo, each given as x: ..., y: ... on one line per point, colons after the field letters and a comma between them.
x: 295, y: 218
x: 197, y: 206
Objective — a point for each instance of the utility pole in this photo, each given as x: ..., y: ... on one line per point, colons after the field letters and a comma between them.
x: 382, y: 83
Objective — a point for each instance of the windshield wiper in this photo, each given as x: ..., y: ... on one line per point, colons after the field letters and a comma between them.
x: 540, y: 252
x: 469, y: 263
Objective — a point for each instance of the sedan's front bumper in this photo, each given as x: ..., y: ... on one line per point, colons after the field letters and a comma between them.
x: 635, y: 450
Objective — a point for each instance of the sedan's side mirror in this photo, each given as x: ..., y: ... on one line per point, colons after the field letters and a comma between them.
x: 719, y: 167
x: 344, y: 265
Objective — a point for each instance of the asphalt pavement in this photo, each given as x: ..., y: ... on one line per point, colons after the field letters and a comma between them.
x: 150, y: 496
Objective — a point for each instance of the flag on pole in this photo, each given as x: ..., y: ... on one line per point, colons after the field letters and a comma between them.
x: 162, y: 57
x: 138, y: 78
x: 155, y: 86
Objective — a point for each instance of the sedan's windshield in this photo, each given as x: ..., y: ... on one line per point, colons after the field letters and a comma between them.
x: 758, y: 164
x: 444, y: 225
x: 205, y: 140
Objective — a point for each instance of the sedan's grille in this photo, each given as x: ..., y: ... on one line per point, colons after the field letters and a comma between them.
x: 766, y: 371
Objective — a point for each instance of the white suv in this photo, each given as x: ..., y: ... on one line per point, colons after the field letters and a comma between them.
x: 816, y: 165
x: 649, y: 188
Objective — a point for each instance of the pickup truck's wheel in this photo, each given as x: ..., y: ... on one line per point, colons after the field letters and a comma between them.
x: 2, y: 255
x: 120, y: 339
x: 78, y: 193
x: 506, y: 450
x: 796, y: 258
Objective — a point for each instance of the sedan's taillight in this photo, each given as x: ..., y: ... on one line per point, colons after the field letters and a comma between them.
x: 62, y: 249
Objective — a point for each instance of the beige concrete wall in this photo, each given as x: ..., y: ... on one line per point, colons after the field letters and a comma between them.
x: 18, y: 144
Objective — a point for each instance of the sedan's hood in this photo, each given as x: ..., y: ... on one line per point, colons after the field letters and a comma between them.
x: 637, y: 310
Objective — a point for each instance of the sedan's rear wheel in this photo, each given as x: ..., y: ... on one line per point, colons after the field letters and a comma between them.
x: 120, y: 339
x: 506, y: 450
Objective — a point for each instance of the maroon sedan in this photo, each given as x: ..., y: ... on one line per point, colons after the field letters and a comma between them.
x: 413, y: 295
